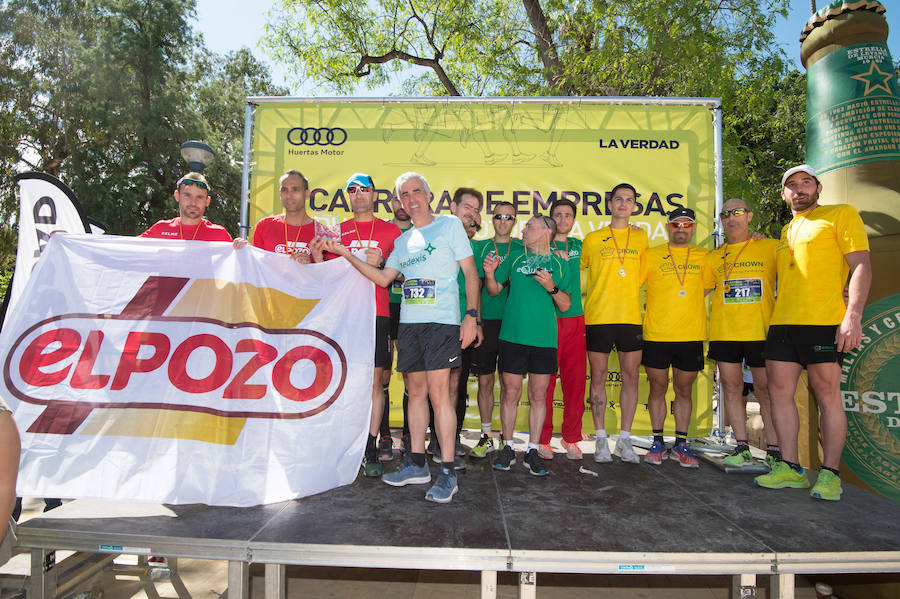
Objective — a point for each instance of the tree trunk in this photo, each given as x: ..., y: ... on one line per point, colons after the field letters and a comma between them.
x: 545, y: 44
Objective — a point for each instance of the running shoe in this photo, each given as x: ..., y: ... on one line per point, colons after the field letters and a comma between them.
x: 684, y: 455
x: 372, y: 466
x: 459, y: 463
x: 534, y: 464
x: 573, y: 452
x: 408, y: 474
x: 433, y: 447
x: 739, y: 457
x: 601, y: 450
x: 545, y: 451
x: 386, y: 448
x: 443, y: 489
x: 506, y: 458
x: 460, y: 449
x: 782, y: 475
x: 656, y: 454
x: 625, y: 451
x: 485, y: 446
x: 828, y: 486
x: 771, y: 458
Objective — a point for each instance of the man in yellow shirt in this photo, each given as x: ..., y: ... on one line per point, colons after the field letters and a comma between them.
x: 674, y: 331
x: 741, y: 276
x: 812, y: 326
x: 612, y: 312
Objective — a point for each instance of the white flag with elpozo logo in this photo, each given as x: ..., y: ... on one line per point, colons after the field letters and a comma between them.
x: 188, y: 372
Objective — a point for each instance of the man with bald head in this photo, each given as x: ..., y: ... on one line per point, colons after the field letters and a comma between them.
x: 430, y: 336
x: 741, y: 276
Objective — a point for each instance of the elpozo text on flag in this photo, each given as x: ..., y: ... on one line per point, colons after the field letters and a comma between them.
x: 187, y: 372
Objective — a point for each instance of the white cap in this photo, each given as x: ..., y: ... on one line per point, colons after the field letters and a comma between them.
x: 800, y: 168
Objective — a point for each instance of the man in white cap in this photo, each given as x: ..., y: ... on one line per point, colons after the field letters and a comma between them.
x: 812, y: 326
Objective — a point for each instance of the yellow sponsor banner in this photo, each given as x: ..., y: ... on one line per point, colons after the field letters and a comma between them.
x: 526, y: 151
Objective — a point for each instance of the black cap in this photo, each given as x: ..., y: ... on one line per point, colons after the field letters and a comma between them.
x: 682, y: 213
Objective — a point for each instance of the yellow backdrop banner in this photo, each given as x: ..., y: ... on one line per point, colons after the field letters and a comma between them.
x: 526, y: 151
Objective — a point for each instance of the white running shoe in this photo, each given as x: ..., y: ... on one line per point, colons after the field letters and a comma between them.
x: 625, y: 451
x: 601, y: 450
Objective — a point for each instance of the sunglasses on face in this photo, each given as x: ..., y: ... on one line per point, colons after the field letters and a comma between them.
x: 475, y: 226
x: 733, y: 212
x: 187, y: 181
x: 358, y: 189
x: 682, y: 225
x: 504, y: 217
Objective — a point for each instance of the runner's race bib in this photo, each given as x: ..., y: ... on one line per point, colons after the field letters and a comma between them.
x: 419, y: 291
x: 742, y: 291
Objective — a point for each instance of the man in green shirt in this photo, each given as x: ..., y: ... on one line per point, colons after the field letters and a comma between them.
x: 484, y: 360
x: 571, y: 348
x: 528, y: 333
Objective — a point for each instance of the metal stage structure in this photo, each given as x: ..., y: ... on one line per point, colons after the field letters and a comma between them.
x: 636, y: 519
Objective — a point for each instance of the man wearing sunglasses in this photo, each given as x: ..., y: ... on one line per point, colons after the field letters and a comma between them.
x: 536, y: 278
x: 612, y: 259
x: 484, y: 361
x: 371, y: 240
x: 674, y: 331
x: 430, y: 336
x: 192, y: 195
x: 812, y: 326
x: 741, y: 276
x: 571, y: 352
x: 291, y: 231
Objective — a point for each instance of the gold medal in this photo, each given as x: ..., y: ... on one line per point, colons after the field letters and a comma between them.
x: 682, y: 293
x: 726, y: 288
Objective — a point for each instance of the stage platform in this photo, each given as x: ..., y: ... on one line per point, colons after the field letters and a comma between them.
x: 631, y: 518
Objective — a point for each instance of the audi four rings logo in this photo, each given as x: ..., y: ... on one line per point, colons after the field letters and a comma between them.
x: 313, y: 136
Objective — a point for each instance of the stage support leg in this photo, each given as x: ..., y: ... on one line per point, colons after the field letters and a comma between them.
x: 43, y: 574
x: 527, y: 585
x: 782, y: 586
x: 275, y: 581
x: 238, y: 580
x: 488, y: 584
x: 743, y: 586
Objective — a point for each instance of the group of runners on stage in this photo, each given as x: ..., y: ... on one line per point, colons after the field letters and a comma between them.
x: 451, y: 305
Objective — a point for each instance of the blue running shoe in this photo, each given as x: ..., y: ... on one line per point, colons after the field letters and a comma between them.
x: 684, y: 455
x: 408, y: 474
x: 656, y: 454
x: 443, y: 489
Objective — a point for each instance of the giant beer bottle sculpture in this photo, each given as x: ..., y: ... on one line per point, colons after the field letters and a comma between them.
x: 853, y: 124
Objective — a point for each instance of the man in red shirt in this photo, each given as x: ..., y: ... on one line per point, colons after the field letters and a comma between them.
x: 192, y: 195
x: 291, y: 231
x: 371, y: 240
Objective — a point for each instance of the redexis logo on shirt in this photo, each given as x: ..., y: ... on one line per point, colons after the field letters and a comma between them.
x: 150, y: 357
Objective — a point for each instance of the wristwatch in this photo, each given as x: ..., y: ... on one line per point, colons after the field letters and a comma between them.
x: 473, y: 313
x: 554, y: 291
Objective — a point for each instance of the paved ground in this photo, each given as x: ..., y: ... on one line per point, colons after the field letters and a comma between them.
x: 202, y: 579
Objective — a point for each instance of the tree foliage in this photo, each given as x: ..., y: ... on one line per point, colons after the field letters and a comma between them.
x: 694, y: 48
x: 101, y: 93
